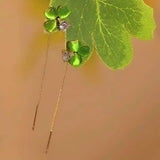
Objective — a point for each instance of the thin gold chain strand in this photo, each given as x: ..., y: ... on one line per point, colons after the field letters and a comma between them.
x: 56, y: 109
x: 42, y: 82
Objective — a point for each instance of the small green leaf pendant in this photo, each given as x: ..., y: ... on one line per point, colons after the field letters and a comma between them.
x: 75, y: 53
x: 55, y: 19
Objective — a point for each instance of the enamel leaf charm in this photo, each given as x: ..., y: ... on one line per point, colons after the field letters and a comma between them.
x: 55, y: 19
x: 75, y: 53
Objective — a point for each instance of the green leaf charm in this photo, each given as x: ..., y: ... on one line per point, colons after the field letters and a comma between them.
x: 56, y: 16
x: 108, y: 25
x: 50, y: 25
x: 76, y: 54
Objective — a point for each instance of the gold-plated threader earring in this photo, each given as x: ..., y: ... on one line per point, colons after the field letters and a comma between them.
x: 73, y: 55
x: 54, y: 22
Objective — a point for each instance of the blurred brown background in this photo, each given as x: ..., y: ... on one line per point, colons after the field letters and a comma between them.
x: 104, y: 115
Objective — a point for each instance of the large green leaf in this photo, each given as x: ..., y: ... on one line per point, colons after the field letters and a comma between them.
x: 108, y: 25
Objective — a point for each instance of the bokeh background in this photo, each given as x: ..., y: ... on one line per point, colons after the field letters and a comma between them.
x: 104, y: 115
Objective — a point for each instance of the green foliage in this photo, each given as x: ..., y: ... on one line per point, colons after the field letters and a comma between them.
x: 108, y: 25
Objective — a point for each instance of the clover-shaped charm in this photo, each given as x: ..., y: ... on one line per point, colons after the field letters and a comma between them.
x: 75, y: 53
x: 55, y: 19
